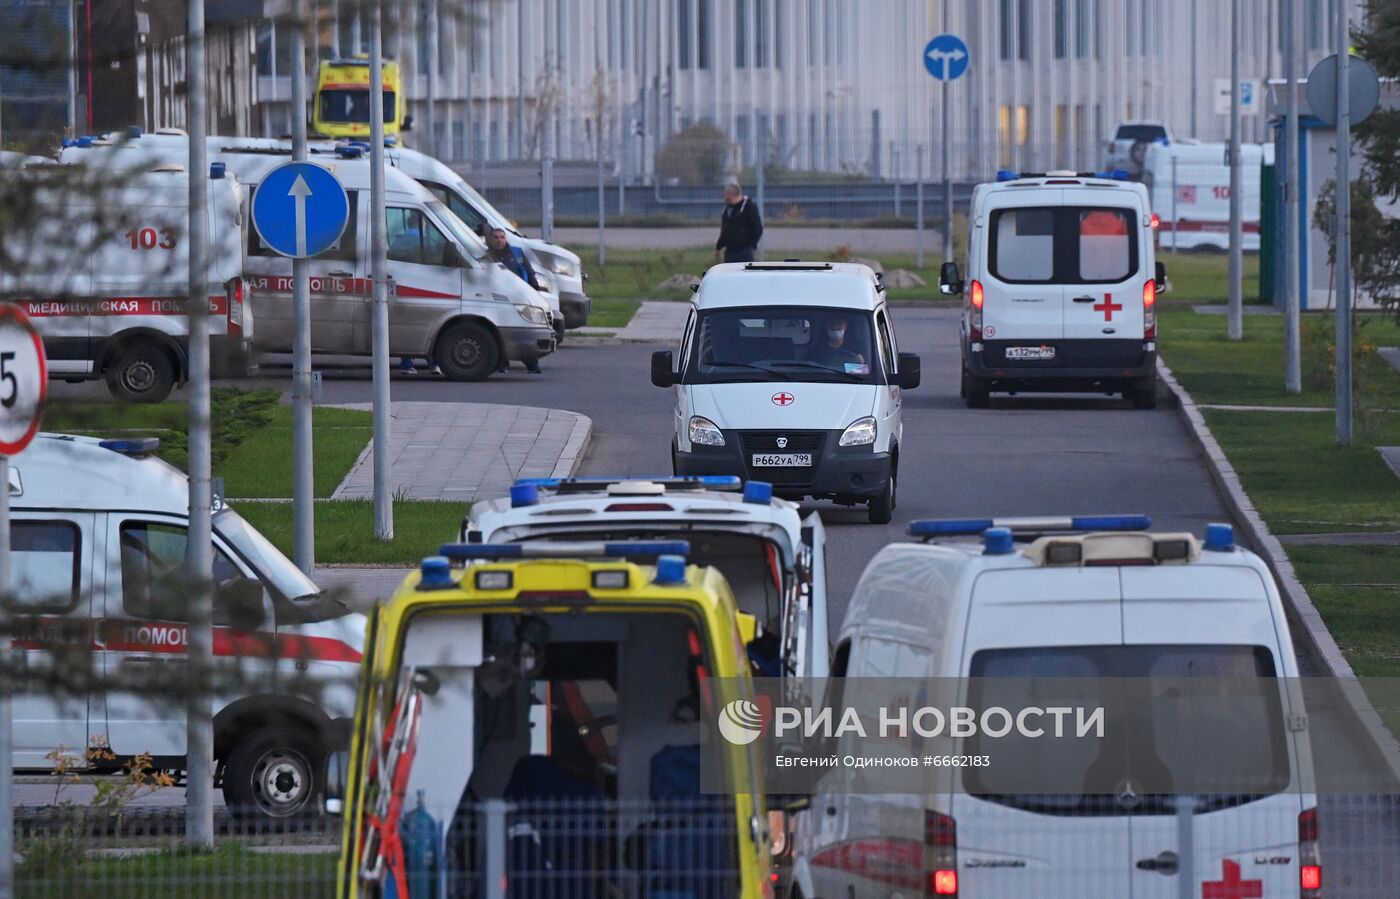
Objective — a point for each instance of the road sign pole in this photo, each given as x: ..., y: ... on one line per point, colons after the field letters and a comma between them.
x: 7, y: 799
x: 947, y: 184
x: 1292, y: 297
x: 1236, y: 267
x: 199, y: 550
x: 919, y: 205
x: 379, y: 250
x: 1343, y: 194
x: 1175, y: 229
x: 303, y: 489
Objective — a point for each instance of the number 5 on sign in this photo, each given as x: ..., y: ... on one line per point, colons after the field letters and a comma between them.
x: 24, y: 380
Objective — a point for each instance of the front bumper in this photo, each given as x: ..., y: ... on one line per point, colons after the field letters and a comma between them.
x: 575, y: 307
x: 520, y: 344
x: 843, y: 473
x: 1079, y: 365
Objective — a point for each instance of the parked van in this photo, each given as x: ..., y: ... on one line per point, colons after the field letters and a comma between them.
x: 104, y: 275
x: 1095, y: 603
x: 1061, y: 284
x: 789, y: 373
x: 773, y: 558
x: 98, y: 536
x: 449, y: 306
x: 1189, y: 185
x: 341, y: 107
x: 541, y: 721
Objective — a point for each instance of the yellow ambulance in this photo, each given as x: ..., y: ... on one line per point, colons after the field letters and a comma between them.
x: 341, y: 107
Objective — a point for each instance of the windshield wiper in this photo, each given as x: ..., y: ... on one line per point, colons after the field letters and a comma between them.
x: 817, y: 366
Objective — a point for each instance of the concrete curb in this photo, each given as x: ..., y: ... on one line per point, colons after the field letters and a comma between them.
x: 1297, y: 602
x: 574, y: 448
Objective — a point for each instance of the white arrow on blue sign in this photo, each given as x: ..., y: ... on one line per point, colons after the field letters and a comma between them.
x: 946, y: 57
x: 300, y: 209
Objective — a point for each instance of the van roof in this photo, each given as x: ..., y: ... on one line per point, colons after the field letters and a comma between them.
x: 65, y: 471
x: 789, y: 282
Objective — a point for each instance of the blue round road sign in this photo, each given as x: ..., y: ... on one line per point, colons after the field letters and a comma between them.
x: 300, y: 209
x: 946, y: 57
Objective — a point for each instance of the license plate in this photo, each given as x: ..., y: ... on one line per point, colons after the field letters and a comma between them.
x: 782, y: 460
x: 1030, y: 352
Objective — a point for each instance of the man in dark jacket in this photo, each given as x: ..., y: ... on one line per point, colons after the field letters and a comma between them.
x: 740, y: 227
x: 499, y: 249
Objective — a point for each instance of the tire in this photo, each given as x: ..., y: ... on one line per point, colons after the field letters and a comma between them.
x: 974, y: 392
x: 559, y: 330
x: 1144, y: 393
x: 274, y: 772
x: 882, y: 506
x: 142, y: 372
x: 466, y: 352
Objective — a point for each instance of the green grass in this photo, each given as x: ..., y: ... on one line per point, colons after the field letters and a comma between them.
x: 262, y: 465
x: 345, y: 529
x: 1204, y: 277
x: 229, y: 872
x: 1357, y: 589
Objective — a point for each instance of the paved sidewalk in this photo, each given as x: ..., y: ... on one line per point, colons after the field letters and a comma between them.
x: 776, y: 238
x: 657, y: 321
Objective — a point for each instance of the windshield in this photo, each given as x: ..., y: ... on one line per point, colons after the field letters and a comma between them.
x: 484, y: 205
x: 783, y: 343
x: 352, y: 106
x: 470, y: 242
x: 1143, y: 133
x: 274, y: 568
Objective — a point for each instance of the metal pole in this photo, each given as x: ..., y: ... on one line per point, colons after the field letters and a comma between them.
x: 1292, y: 298
x: 602, y: 200
x: 1343, y: 227
x: 1236, y: 269
x: 758, y: 182
x: 303, y: 484
x: 547, y: 199
x: 199, y: 551
x: 1175, y: 221
x: 947, y: 184
x: 7, y: 781
x: 431, y: 25
x: 1195, y: 72
x: 379, y: 252
x: 1186, y: 847
x: 894, y: 174
x: 919, y: 204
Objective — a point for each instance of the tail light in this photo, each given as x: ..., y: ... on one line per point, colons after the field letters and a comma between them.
x: 1309, y: 859
x: 974, y: 300
x: 1155, y: 221
x: 235, y: 307
x: 940, y: 853
x: 1149, y: 309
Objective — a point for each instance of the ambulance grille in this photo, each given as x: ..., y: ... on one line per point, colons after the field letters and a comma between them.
x: 797, y: 442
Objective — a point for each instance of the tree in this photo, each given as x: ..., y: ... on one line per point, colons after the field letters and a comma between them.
x: 694, y: 155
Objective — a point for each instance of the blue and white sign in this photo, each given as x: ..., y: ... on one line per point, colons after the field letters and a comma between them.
x: 946, y: 57
x: 300, y: 209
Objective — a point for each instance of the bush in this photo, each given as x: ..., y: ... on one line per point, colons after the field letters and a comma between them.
x: 694, y: 155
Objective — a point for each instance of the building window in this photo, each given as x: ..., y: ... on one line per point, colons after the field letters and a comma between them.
x: 1015, y: 34
x: 1086, y: 29
x: 693, y: 33
x: 1061, y: 136
x: 1061, y: 28
x: 1006, y: 24
x: 1023, y: 30
x: 741, y: 34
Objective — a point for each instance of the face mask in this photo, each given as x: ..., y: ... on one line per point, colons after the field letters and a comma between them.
x: 835, y: 333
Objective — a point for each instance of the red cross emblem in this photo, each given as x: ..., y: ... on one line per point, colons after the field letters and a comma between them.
x: 783, y: 398
x: 1108, y: 307
x: 1230, y: 886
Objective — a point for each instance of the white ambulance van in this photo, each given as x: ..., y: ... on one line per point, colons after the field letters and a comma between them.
x: 773, y: 557
x: 1074, y: 608
x: 98, y: 526
x: 102, y: 268
x: 1061, y: 288
x: 464, y: 314
x: 789, y: 373
x: 1190, y: 190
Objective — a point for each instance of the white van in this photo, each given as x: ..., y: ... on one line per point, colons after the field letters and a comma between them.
x: 1061, y: 286
x: 1189, y: 184
x: 773, y: 557
x: 449, y: 306
x: 97, y: 525
x: 789, y: 373
x: 105, y: 276
x: 1094, y: 602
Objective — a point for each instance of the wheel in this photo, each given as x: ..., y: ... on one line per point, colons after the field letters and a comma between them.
x: 143, y: 372
x: 559, y: 330
x: 882, y: 506
x: 466, y: 352
x: 274, y: 772
x: 975, y: 392
x: 1144, y: 393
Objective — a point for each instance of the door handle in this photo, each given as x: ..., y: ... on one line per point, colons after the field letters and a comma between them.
x: 341, y: 274
x: 132, y: 658
x: 1166, y: 863
x: 831, y: 810
x: 1084, y: 299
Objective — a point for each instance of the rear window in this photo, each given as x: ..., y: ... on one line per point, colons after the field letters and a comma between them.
x: 1063, y: 244
x: 1251, y: 752
x: 1143, y: 133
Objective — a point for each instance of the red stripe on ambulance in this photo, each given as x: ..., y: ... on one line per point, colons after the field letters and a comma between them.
x: 218, y: 305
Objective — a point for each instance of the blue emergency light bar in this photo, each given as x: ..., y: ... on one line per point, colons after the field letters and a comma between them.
x: 693, y: 482
x: 132, y: 446
x: 951, y: 527
x: 1115, y: 175
x: 622, y: 549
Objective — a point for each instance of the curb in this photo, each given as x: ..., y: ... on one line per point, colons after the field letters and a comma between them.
x: 1297, y: 602
x: 574, y: 448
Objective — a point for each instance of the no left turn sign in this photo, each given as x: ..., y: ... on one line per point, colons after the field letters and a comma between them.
x: 24, y: 379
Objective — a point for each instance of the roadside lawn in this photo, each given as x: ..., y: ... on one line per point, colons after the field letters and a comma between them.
x: 345, y: 529
x: 229, y: 872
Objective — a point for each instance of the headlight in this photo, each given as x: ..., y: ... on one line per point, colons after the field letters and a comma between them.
x: 704, y: 433
x: 534, y: 314
x: 558, y: 264
x: 860, y: 432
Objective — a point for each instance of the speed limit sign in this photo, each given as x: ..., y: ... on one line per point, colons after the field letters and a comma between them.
x: 24, y: 379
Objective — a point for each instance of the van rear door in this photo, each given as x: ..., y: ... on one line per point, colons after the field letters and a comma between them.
x: 1022, y: 299
x: 815, y: 651
x: 1104, y: 257
x: 1245, y: 838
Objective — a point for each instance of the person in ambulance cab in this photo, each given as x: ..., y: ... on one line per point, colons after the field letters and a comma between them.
x: 834, y: 350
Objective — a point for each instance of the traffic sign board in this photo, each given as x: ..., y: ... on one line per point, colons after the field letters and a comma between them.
x: 1363, y: 89
x: 24, y: 379
x: 946, y: 57
x: 1251, y: 96
x: 300, y: 209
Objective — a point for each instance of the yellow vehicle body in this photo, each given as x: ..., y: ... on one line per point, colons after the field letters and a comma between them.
x: 564, y: 587
x: 341, y: 106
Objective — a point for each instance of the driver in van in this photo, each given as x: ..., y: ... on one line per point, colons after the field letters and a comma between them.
x: 833, y: 351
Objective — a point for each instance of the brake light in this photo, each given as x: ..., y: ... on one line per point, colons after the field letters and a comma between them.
x: 1155, y: 221
x: 1149, y: 309
x: 1309, y: 859
x: 639, y: 507
x: 975, y: 299
x: 940, y: 854
x: 235, y: 307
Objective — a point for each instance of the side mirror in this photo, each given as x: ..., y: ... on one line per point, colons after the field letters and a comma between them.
x: 243, y: 605
x: 663, y: 368
x: 910, y: 370
x: 950, y: 282
x: 1161, y: 278
x: 407, y: 123
x: 337, y: 769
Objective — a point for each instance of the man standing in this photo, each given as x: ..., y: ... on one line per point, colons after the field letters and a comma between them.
x: 740, y: 227
x: 513, y: 258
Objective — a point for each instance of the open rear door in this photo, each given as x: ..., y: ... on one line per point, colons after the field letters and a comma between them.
x: 814, y: 650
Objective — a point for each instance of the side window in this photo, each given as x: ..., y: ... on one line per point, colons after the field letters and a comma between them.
x: 460, y: 208
x: 882, y: 330
x: 1104, y: 247
x: 1023, y: 247
x: 343, y: 248
x: 153, y: 558
x: 413, y: 238
x: 686, y: 338
x: 45, y: 558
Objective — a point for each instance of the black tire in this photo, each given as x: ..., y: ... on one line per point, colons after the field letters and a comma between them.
x: 466, y: 352
x: 975, y: 392
x: 559, y: 330
x: 1143, y: 393
x: 882, y: 506
x: 274, y: 772
x: 142, y: 372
